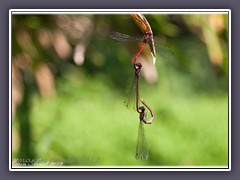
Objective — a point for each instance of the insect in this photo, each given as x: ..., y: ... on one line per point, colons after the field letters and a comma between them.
x: 142, y: 146
x: 143, y: 24
x: 145, y: 27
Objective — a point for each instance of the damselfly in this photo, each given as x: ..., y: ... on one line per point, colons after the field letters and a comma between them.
x: 145, y: 27
x: 134, y: 95
x: 142, y: 147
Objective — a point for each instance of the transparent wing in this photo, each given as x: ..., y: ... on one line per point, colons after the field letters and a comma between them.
x: 142, y: 147
x: 123, y: 37
x: 129, y: 101
x: 163, y: 48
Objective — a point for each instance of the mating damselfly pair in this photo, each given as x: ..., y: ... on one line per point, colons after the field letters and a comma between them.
x: 144, y: 110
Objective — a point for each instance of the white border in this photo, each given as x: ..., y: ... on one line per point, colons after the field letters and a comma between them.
x: 229, y: 88
x: 121, y: 168
x: 119, y: 11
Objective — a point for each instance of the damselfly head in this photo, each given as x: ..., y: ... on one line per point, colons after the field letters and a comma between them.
x: 142, y: 111
x: 139, y: 65
x: 138, y: 68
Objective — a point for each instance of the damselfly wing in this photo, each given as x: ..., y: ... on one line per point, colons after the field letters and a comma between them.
x: 142, y: 146
x: 162, y: 49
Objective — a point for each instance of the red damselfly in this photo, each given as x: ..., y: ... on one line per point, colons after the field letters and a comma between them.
x: 134, y: 94
x: 142, y: 109
x: 145, y: 27
x: 141, y: 21
x: 142, y: 147
x: 147, y: 37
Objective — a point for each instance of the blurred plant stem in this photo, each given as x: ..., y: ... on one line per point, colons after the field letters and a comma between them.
x: 26, y: 150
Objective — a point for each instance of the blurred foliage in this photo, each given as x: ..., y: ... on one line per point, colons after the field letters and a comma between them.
x: 69, y: 80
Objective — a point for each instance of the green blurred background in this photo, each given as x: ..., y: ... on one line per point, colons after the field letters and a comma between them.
x: 70, y: 79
